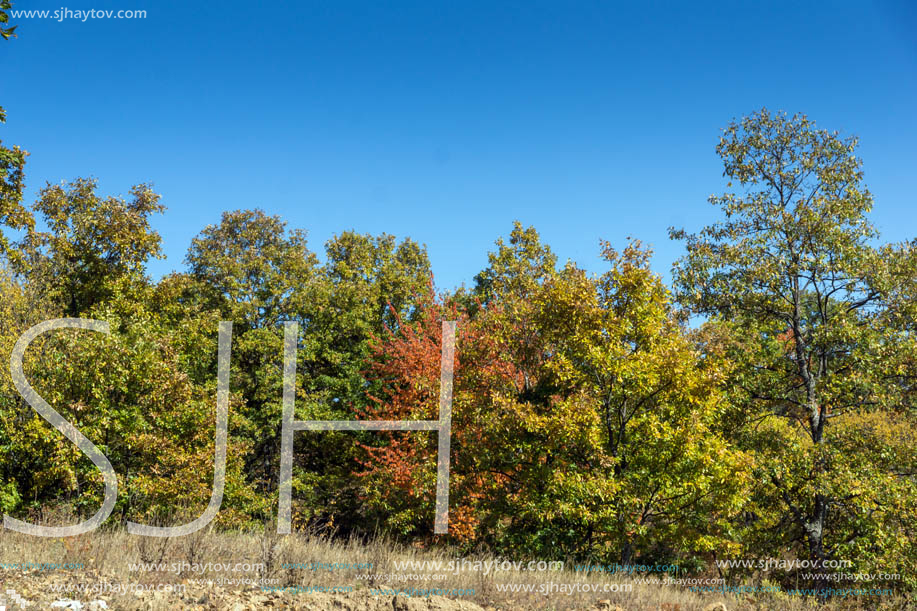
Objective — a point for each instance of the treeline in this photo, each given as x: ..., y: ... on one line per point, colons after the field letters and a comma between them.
x: 761, y: 406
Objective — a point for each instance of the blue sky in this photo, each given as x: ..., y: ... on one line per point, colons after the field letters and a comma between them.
x: 445, y: 121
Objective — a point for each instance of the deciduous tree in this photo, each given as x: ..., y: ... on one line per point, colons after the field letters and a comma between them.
x: 792, y: 274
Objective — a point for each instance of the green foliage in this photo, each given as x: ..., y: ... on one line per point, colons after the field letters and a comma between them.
x: 252, y: 267
x: 130, y: 394
x: 516, y: 268
x: 9, y: 497
x: 12, y: 165
x: 257, y: 274
x: 583, y: 419
x: 589, y: 421
x: 618, y: 343
x: 814, y: 318
x: 366, y: 283
x: 93, y: 247
x: 6, y: 32
x: 12, y: 213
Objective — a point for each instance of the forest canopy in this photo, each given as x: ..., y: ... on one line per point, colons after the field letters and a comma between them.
x: 763, y: 405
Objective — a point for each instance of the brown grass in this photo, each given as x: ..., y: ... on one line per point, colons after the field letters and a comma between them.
x: 107, y: 555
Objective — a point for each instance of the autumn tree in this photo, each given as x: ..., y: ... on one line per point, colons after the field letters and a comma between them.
x: 654, y: 400
x: 398, y: 472
x: 144, y: 394
x: 366, y: 283
x: 93, y: 247
x: 400, y: 475
x: 253, y: 266
x: 801, y: 301
x: 582, y: 417
x: 19, y: 310
x: 259, y: 274
x: 518, y: 266
x: 129, y: 392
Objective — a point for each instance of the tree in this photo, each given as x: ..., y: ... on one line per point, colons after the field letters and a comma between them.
x: 366, y: 283
x: 93, y: 247
x: 253, y: 266
x: 19, y: 310
x: 259, y: 274
x: 656, y: 401
x: 399, y: 468
x: 12, y: 180
x: 582, y: 419
x: 256, y: 273
x: 791, y: 278
x: 145, y: 395
x: 516, y: 268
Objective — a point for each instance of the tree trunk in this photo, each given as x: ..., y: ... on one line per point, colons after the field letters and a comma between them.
x: 815, y: 531
x: 627, y: 554
x: 815, y: 524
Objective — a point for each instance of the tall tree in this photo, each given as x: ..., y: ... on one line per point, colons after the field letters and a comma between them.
x: 791, y: 273
x: 94, y: 246
x: 255, y: 272
x: 144, y: 394
x: 258, y: 273
x: 253, y: 266
x: 655, y: 400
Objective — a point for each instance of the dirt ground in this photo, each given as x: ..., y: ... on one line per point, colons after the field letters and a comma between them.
x: 35, y: 590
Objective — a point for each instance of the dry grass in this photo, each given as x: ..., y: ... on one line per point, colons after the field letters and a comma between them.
x: 107, y: 556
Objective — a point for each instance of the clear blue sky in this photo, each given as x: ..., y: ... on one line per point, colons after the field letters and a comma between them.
x: 445, y: 121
